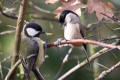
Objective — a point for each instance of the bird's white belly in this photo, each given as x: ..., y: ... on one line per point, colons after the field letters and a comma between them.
x: 69, y: 32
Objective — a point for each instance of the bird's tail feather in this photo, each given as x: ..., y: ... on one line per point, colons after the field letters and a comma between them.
x: 37, y: 74
x: 85, y: 52
x: 26, y: 70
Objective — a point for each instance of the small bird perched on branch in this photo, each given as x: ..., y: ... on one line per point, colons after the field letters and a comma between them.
x: 32, y: 50
x: 73, y: 28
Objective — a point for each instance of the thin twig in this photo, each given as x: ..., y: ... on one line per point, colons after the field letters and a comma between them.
x: 101, y: 65
x: 92, y: 26
x: 5, y: 59
x: 63, y: 62
x: 7, y: 15
x: 11, y: 26
x: 112, y: 18
x: 38, y: 8
x: 92, y: 58
x: 6, y: 32
x: 12, y: 69
x: 106, y: 72
x: 111, y: 38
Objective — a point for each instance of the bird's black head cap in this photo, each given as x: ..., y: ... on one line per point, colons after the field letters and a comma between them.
x: 63, y: 15
x: 34, y: 26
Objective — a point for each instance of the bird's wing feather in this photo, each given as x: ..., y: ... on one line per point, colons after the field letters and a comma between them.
x: 28, y: 48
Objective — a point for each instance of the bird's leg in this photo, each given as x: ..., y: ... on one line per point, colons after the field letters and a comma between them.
x: 58, y: 42
x: 26, y: 71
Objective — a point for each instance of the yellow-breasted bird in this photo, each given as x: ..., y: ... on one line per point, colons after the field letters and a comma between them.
x: 32, y: 50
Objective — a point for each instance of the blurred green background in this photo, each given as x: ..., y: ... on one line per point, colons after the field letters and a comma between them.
x: 51, y: 65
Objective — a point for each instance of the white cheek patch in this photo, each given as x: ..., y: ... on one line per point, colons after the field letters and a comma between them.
x: 31, y: 31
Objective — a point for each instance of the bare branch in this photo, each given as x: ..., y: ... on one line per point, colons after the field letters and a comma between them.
x: 106, y: 72
x: 63, y: 62
x: 84, y: 41
x: 101, y: 65
x: 112, y: 18
x: 7, y: 15
x: 12, y: 69
x: 38, y: 8
x: 5, y: 59
x: 93, y: 26
x: 92, y: 58
x: 19, y: 28
x: 11, y: 26
x: 111, y: 38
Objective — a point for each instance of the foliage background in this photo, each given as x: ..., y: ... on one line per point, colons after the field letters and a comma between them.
x: 55, y: 56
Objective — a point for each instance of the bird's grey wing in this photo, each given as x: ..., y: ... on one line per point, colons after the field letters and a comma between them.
x: 82, y: 30
x: 33, y: 54
x: 83, y: 33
